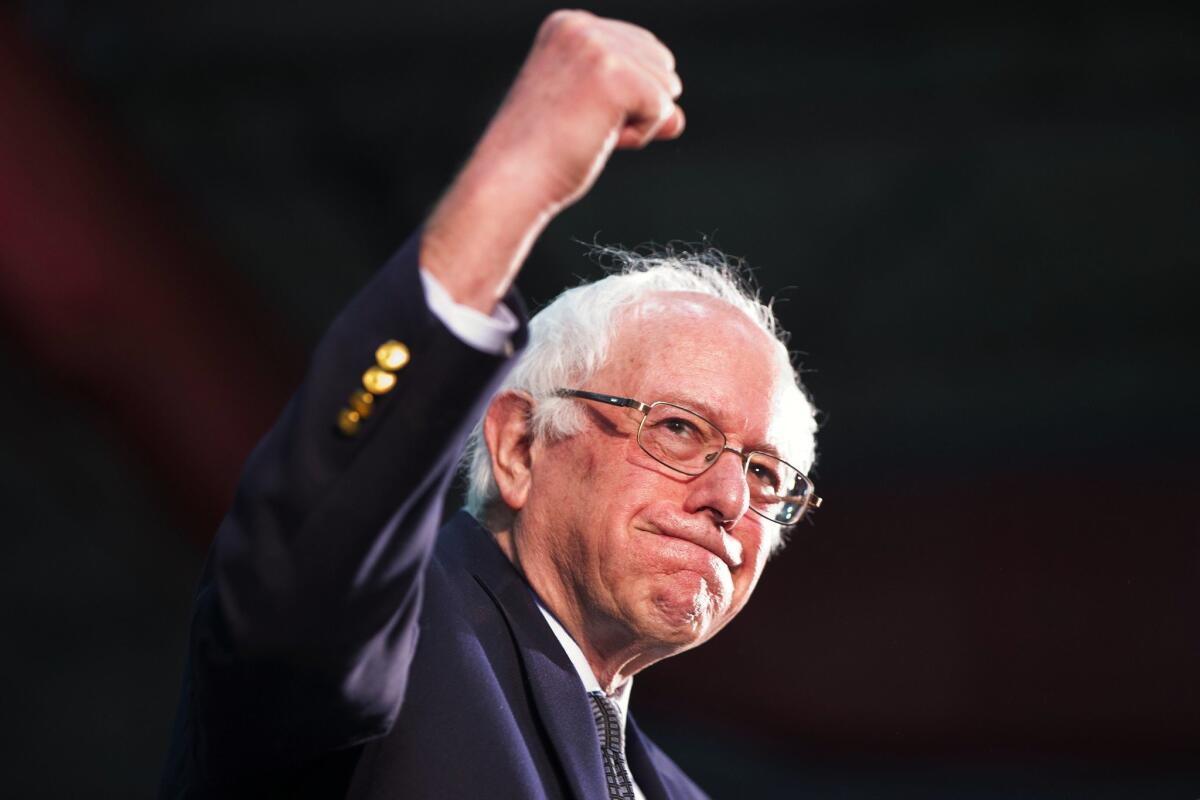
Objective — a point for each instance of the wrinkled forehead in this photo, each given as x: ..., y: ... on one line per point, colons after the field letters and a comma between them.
x: 696, y: 349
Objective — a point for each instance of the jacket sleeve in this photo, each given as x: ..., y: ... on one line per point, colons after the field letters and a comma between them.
x: 305, y: 622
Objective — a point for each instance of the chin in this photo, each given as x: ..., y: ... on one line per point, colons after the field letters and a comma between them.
x: 684, y: 608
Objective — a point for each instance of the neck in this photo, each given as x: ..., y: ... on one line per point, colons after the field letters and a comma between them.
x: 613, y: 651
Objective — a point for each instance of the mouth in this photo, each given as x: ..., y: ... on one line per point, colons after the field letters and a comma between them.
x: 721, y: 545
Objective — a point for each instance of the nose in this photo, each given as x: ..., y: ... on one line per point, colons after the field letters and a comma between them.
x: 721, y: 490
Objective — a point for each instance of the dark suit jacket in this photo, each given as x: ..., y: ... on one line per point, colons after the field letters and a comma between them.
x: 340, y: 644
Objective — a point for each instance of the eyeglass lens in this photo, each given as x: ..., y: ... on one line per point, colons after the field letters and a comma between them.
x: 689, y: 443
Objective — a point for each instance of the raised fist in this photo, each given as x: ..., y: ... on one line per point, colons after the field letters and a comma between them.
x: 589, y: 85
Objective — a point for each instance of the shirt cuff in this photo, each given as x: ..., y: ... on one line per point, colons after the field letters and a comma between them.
x: 488, y: 334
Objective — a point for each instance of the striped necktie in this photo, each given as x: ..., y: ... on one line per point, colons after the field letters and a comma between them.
x: 612, y: 749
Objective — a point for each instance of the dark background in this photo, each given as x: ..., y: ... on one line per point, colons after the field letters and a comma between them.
x: 982, y: 227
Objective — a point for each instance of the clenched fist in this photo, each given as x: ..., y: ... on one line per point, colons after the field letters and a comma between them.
x: 588, y: 86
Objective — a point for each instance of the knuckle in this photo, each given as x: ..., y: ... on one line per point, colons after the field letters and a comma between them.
x: 591, y: 43
x: 602, y: 68
x: 607, y: 64
x: 663, y: 53
x: 565, y: 23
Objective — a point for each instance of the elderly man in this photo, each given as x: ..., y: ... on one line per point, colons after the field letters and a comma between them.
x: 629, y: 477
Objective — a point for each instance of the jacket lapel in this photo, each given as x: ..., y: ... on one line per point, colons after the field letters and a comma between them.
x: 558, y: 696
x: 641, y: 765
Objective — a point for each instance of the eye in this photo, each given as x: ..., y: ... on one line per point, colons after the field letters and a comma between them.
x: 680, y: 427
x: 764, y: 475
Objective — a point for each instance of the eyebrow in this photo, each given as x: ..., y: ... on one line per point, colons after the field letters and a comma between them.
x: 709, y: 413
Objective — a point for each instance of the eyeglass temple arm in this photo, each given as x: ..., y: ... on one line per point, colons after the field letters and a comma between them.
x: 624, y: 402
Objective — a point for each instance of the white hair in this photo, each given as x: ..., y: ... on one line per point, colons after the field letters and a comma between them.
x: 569, y: 341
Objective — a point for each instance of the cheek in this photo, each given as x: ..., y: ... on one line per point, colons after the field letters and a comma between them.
x: 612, y: 495
x: 566, y: 477
x: 586, y: 463
x: 627, y: 481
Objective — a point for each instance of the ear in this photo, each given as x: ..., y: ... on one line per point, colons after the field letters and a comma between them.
x: 506, y: 429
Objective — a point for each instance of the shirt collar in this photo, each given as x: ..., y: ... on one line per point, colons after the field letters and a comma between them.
x: 579, y: 661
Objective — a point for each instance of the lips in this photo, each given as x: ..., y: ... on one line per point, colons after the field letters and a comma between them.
x: 717, y: 542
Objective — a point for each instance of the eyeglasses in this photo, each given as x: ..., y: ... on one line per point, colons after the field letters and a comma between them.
x: 686, y: 442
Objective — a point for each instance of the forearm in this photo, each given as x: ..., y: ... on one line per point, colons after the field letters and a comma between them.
x: 481, y: 231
